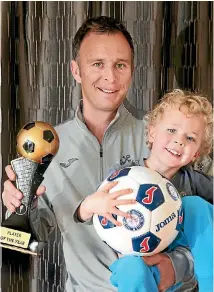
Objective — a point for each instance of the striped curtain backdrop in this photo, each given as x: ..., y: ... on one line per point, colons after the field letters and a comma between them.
x: 173, y: 43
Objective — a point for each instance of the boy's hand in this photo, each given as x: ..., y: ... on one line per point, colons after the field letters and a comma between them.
x: 104, y: 203
x: 11, y: 196
x: 164, y: 264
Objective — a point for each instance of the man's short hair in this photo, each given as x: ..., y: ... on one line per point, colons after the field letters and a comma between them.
x: 102, y: 25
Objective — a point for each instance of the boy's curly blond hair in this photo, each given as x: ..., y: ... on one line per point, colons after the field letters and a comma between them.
x: 195, y: 104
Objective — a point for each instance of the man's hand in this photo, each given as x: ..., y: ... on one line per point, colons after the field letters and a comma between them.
x: 165, y: 267
x: 11, y: 196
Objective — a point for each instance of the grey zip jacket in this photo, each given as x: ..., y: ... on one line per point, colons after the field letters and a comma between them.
x: 80, y: 165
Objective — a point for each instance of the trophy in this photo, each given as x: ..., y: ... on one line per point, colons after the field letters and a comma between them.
x: 37, y: 143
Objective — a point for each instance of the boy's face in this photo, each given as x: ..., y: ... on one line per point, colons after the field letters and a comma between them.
x: 176, y: 138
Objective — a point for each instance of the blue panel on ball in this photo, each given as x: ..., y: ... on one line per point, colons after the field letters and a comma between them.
x: 145, y: 243
x: 119, y: 173
x: 150, y: 196
x: 105, y: 223
x: 180, y: 219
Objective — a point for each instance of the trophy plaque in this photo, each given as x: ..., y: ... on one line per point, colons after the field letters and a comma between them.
x: 37, y: 143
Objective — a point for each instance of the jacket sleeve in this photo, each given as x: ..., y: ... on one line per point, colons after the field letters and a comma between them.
x: 42, y: 219
x: 77, y: 219
x: 183, y: 264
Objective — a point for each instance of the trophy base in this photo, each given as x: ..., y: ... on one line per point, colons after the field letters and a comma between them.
x: 19, y: 249
x: 16, y: 240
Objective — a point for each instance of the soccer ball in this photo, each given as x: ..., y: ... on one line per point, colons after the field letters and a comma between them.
x: 37, y: 141
x: 155, y: 219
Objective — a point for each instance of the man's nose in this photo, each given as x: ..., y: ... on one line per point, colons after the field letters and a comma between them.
x: 110, y: 74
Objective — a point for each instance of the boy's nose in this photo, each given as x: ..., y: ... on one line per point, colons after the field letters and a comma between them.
x: 181, y: 144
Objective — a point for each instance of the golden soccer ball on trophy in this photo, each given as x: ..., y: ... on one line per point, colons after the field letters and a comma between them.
x: 37, y: 141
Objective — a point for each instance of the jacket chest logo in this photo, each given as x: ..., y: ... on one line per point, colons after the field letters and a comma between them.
x: 127, y: 159
x: 68, y: 163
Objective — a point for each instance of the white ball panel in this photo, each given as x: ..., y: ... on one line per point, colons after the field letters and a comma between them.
x: 144, y: 175
x: 115, y: 236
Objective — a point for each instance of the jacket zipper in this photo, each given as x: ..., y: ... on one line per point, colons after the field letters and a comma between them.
x: 101, y: 163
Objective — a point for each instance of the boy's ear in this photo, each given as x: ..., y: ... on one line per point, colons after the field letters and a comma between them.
x: 197, y: 154
x: 151, y: 133
x: 75, y: 70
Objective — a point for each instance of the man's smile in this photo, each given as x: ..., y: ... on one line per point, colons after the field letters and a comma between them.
x: 109, y: 91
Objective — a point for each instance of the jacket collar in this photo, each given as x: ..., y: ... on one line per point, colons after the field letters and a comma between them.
x: 121, y: 115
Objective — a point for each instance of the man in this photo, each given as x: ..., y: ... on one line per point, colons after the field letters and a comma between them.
x: 101, y: 134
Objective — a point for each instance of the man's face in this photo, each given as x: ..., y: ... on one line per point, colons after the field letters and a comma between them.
x: 104, y: 69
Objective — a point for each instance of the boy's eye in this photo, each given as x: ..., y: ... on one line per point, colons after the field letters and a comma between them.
x: 98, y: 64
x: 120, y: 66
x: 171, y: 131
x: 191, y: 139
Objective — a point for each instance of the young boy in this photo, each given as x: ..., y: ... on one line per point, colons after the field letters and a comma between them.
x: 180, y: 128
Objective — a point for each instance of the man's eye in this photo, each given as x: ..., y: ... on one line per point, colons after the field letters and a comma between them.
x: 191, y: 139
x: 120, y: 66
x: 171, y: 131
x: 98, y: 64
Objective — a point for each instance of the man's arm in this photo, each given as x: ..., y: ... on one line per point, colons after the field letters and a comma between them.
x: 183, y: 265
x: 175, y: 267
